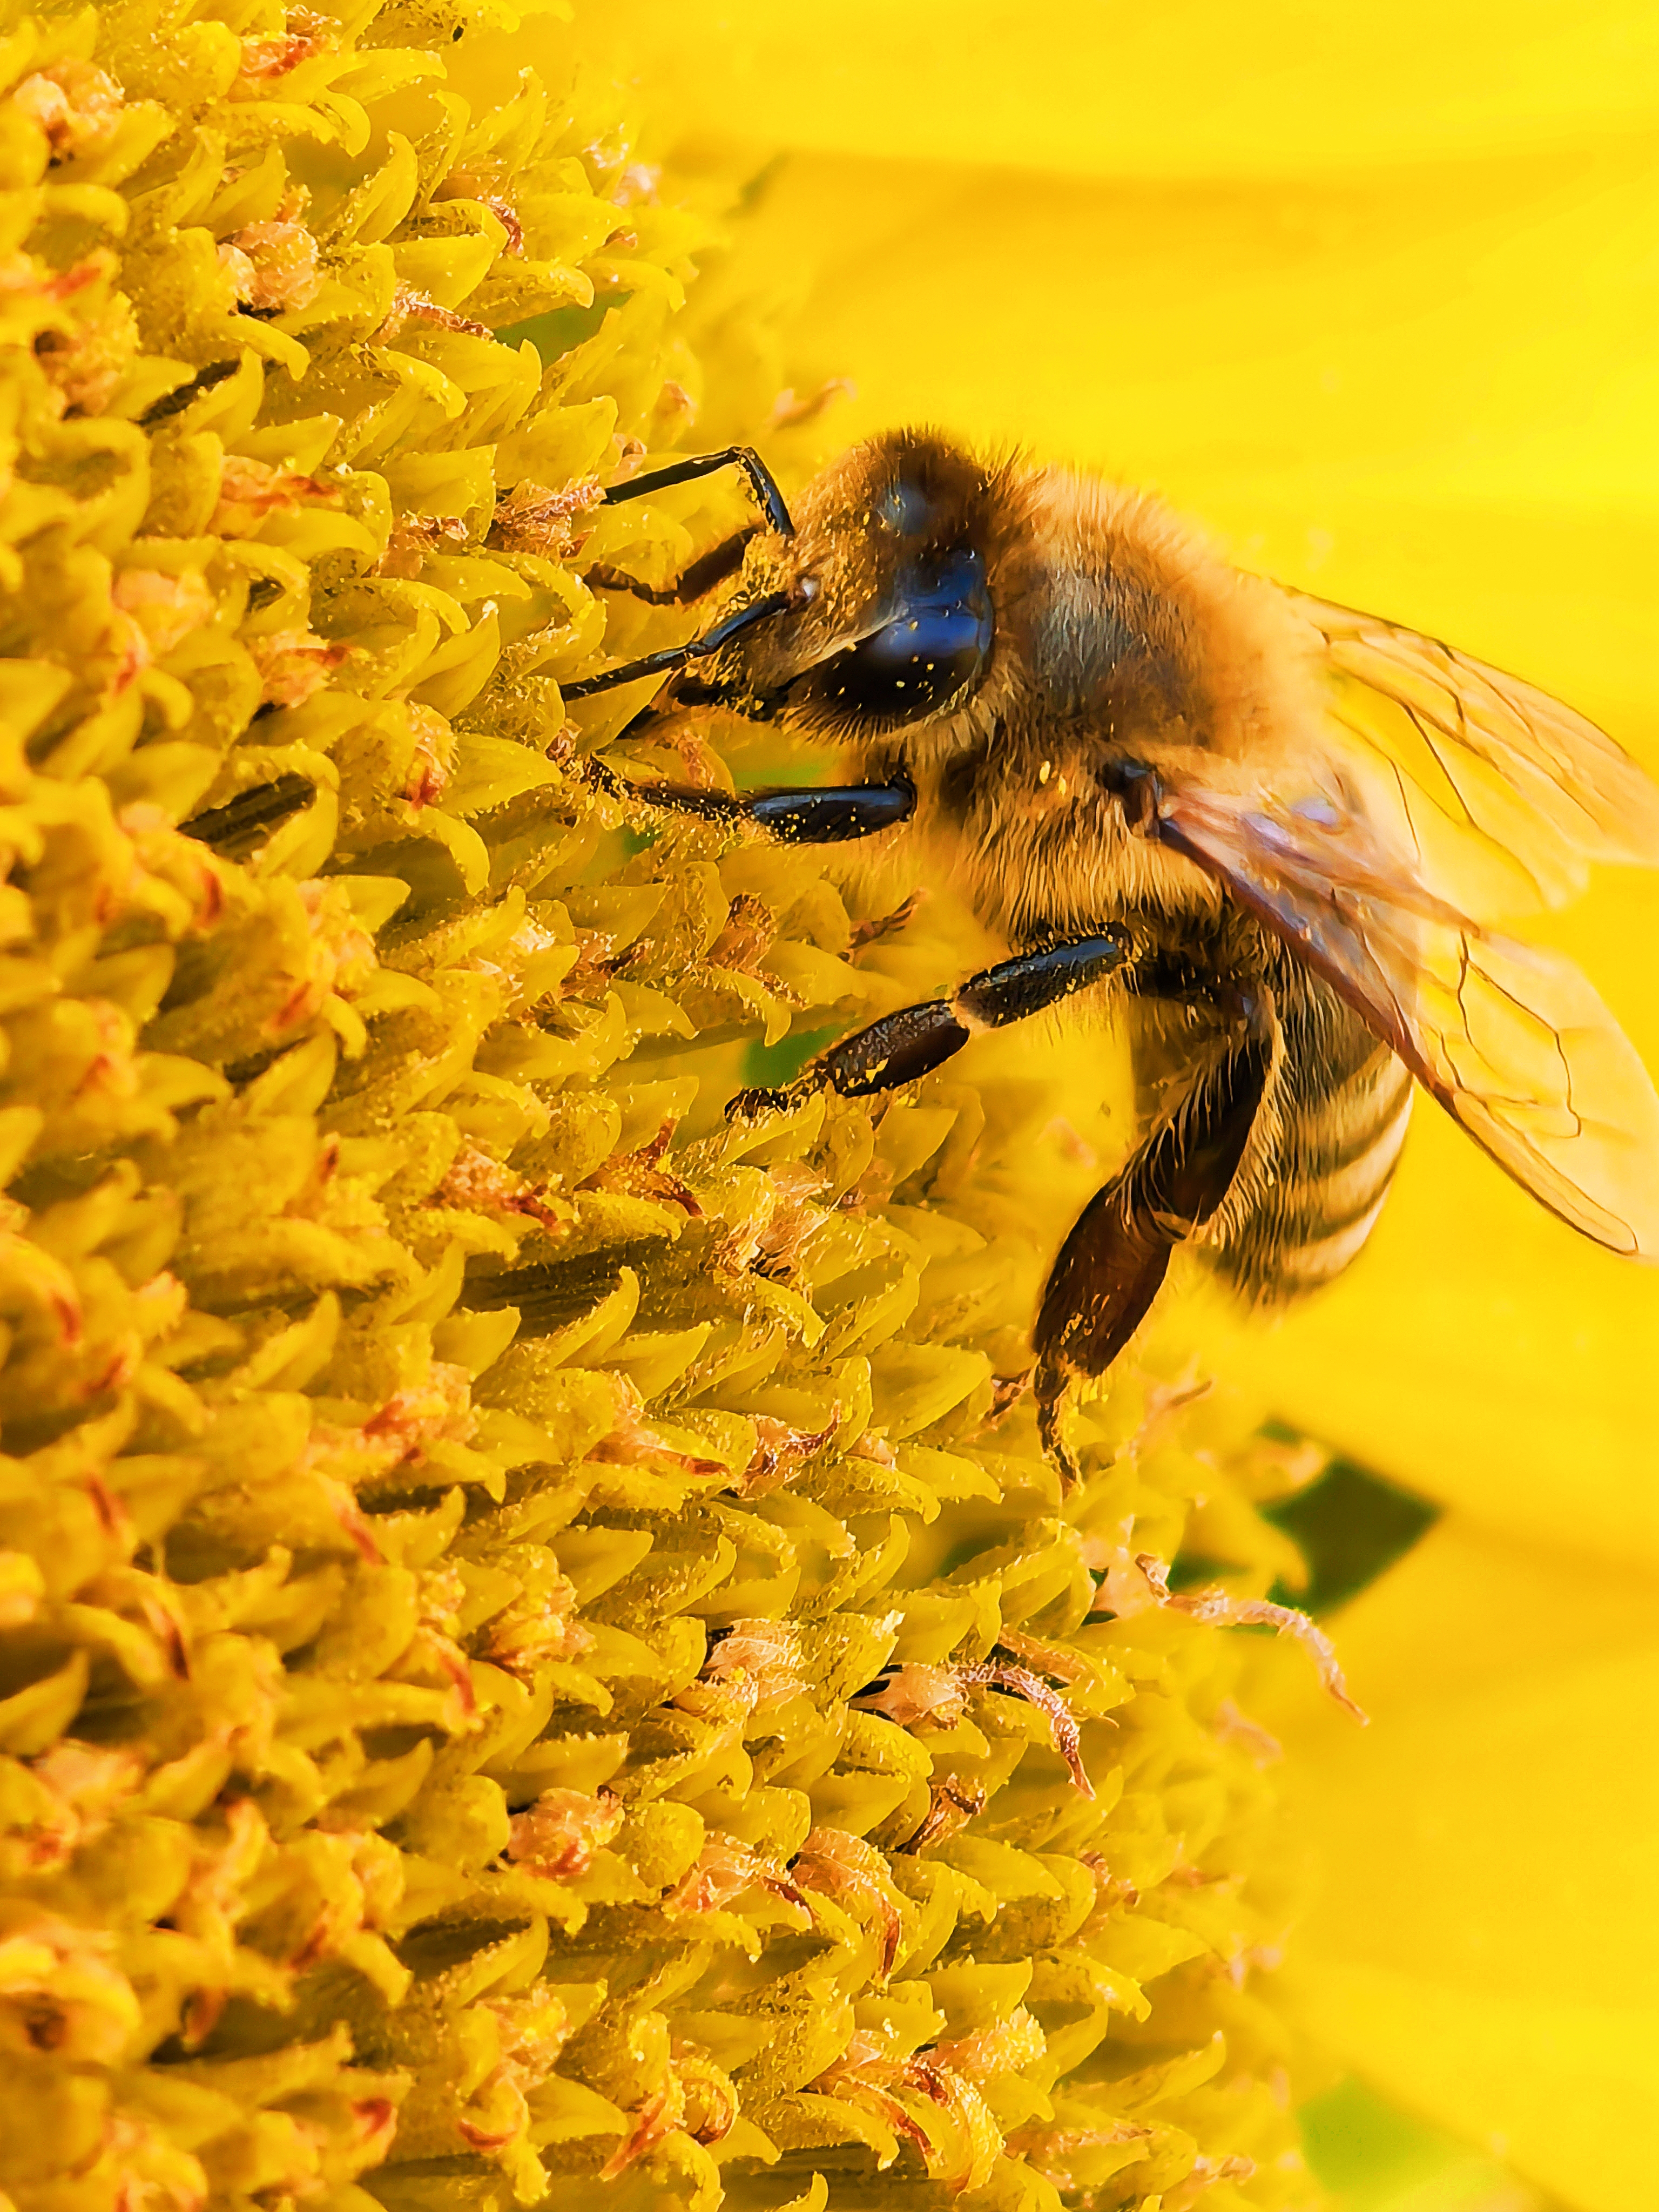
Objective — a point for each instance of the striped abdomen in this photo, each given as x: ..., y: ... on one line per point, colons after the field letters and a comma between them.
x: 1327, y: 1144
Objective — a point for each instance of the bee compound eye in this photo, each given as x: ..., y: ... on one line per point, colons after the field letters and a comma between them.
x: 934, y: 648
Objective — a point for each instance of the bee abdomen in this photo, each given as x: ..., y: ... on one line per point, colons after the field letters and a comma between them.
x: 1305, y: 1205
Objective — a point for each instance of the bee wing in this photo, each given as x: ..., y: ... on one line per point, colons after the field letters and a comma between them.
x: 1512, y: 1040
x: 1521, y: 783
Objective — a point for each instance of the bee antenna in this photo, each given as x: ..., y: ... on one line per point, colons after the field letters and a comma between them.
x: 762, y: 481
x: 673, y: 656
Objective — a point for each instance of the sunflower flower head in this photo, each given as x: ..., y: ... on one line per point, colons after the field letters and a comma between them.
x: 538, y: 1643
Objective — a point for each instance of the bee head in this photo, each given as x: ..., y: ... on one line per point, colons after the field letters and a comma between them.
x: 890, y: 620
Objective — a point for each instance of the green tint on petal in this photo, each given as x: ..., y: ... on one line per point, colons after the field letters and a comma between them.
x: 1375, y: 2158
x: 1562, y: 2089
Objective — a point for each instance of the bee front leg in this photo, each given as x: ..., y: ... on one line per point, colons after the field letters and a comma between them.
x: 769, y: 496
x: 1111, y: 1266
x: 903, y: 1046
x: 708, y: 569
x: 725, y: 559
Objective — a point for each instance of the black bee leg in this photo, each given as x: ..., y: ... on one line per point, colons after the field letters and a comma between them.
x: 822, y: 814
x: 1112, y: 1264
x: 714, y: 567
x: 905, y: 1045
x: 762, y: 481
x: 673, y: 658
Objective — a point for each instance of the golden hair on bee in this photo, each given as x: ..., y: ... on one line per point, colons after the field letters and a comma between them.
x: 1279, y: 833
x: 1116, y: 624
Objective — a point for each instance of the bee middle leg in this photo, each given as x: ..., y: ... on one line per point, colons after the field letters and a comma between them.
x: 909, y: 1044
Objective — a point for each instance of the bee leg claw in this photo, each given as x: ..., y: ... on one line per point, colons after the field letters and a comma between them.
x: 1053, y: 1391
x: 755, y: 1105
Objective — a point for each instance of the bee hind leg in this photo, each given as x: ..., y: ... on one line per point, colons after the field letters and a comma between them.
x: 909, y: 1044
x: 1113, y: 1262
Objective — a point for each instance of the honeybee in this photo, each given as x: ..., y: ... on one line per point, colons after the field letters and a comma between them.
x: 1278, y: 830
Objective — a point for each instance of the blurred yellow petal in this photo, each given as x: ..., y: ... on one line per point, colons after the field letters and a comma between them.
x: 1294, y: 359
x: 1104, y: 87
x: 1483, y: 1946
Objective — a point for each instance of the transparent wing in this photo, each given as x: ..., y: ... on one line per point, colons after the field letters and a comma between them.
x: 1487, y: 783
x: 1511, y: 1040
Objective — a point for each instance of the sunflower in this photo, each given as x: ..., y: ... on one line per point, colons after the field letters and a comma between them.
x: 539, y: 1649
